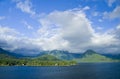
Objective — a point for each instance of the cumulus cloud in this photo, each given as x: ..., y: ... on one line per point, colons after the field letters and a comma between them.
x: 110, y: 41
x: 100, y: 20
x: 115, y: 47
x: 110, y: 2
x: 117, y: 31
x: 25, y: 6
x: 86, y: 8
x: 2, y: 17
x: 7, y: 31
x: 95, y: 13
x: 69, y: 30
x: 103, y: 39
x: 118, y: 27
x: 11, y: 39
x: 27, y: 25
x: 75, y: 29
x: 72, y: 26
x: 7, y: 35
x: 114, y: 14
x: 99, y: 28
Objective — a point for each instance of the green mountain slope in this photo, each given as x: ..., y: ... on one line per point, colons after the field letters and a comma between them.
x: 7, y: 59
x: 92, y: 56
x: 53, y: 58
x: 46, y: 58
x: 49, y: 60
x: 4, y: 54
x: 63, y: 55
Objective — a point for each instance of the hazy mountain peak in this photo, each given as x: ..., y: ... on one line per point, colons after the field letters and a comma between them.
x: 90, y: 51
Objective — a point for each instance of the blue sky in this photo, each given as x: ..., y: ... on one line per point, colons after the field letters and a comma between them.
x: 73, y: 25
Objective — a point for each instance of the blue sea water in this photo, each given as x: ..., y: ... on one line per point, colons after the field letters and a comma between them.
x: 81, y: 71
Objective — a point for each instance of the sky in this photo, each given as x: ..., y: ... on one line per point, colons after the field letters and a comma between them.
x: 71, y: 25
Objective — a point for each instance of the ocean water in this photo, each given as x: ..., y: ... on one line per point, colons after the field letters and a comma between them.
x: 81, y: 71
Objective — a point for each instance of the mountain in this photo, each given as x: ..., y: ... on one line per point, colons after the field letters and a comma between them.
x: 113, y: 56
x: 5, y: 54
x: 89, y: 52
x: 6, y: 59
x: 46, y: 58
x: 27, y: 52
x: 88, y: 56
x: 2, y: 51
x: 92, y: 56
x: 63, y: 55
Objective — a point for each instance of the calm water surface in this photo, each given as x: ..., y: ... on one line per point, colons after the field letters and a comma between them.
x: 81, y: 71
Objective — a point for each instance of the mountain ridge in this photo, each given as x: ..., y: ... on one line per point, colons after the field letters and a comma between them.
x: 65, y: 55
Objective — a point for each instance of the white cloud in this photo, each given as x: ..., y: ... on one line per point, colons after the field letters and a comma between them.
x: 72, y: 26
x: 25, y: 6
x: 114, y: 14
x: 6, y: 31
x: 99, y: 28
x: 100, y: 20
x: 13, y: 40
x: 63, y: 30
x: 118, y: 27
x: 27, y: 25
x: 116, y: 32
x: 110, y: 2
x: 8, y: 35
x: 2, y: 17
x: 115, y: 45
x: 95, y: 14
x: 103, y: 39
x: 86, y: 8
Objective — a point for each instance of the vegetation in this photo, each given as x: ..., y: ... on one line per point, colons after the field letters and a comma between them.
x: 95, y: 58
x: 53, y: 58
x: 12, y: 62
x: 45, y: 60
x: 50, y: 63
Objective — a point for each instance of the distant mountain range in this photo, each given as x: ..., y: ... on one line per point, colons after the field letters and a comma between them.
x: 14, y: 54
x: 10, y: 59
x: 88, y: 56
x: 92, y: 56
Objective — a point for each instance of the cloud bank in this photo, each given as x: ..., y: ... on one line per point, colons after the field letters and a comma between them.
x: 25, y: 6
x: 69, y: 30
x: 114, y: 14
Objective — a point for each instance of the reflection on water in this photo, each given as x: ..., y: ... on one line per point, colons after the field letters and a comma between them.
x: 81, y: 71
